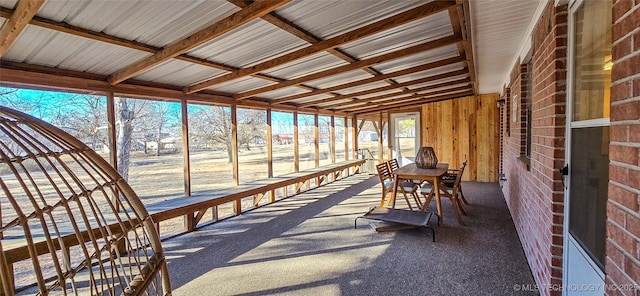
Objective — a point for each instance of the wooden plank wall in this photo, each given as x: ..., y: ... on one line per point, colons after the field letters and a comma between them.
x: 465, y: 128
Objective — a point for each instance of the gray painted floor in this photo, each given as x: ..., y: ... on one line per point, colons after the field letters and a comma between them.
x: 307, y: 245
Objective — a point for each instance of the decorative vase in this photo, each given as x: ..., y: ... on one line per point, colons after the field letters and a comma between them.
x: 426, y: 158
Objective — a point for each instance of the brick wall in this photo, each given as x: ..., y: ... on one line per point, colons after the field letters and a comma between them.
x: 622, y: 265
x: 533, y: 189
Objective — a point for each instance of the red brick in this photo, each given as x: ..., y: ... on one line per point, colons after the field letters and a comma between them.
x: 625, y: 241
x: 625, y: 25
x: 632, y: 269
x: 618, y: 174
x: 633, y: 226
x: 634, y: 178
x: 636, y: 41
x: 621, y: 91
x: 619, y: 133
x: 614, y: 254
x: 623, y: 154
x: 616, y: 214
x: 622, y: 48
x: 626, y: 111
x: 636, y: 82
x: 621, y: 7
x: 634, y: 133
x: 623, y: 197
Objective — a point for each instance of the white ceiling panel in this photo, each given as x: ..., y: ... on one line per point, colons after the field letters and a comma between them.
x: 500, y: 31
x: 177, y: 72
x: 255, y: 42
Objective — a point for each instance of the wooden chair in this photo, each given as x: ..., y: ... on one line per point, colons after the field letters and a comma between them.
x: 387, y: 182
x: 450, y: 178
x: 83, y: 229
x: 409, y: 186
x: 452, y: 191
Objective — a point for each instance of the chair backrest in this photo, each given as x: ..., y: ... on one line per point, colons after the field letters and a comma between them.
x: 456, y: 183
x: 383, y: 172
x: 393, y: 165
x: 80, y: 227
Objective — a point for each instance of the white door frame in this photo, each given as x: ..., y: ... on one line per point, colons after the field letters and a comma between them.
x: 580, y: 274
x: 392, y: 134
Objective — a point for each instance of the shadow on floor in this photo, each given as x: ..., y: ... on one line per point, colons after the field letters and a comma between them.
x: 307, y: 245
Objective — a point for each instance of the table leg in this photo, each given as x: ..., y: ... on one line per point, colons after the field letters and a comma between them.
x: 395, y: 191
x: 436, y: 187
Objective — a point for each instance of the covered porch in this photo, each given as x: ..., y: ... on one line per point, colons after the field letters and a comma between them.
x: 250, y: 130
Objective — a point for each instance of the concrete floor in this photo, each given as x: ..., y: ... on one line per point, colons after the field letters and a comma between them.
x: 307, y: 245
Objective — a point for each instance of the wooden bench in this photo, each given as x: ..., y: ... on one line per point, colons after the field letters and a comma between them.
x: 194, y: 207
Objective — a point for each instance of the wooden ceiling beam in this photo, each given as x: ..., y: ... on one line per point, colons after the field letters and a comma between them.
x: 415, y: 102
x: 395, y: 94
x: 229, y: 23
x: 395, y: 98
x: 464, y: 18
x: 22, y: 75
x: 415, y: 69
x: 351, y: 36
x: 106, y: 38
x: 24, y: 12
x: 286, y: 25
x: 385, y: 88
x: 355, y: 66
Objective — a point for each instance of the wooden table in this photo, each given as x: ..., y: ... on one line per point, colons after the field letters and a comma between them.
x: 433, y: 176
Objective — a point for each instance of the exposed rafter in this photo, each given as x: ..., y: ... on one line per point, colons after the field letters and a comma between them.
x: 381, y: 89
x: 409, y: 103
x: 351, y: 36
x: 25, y: 10
x: 251, y: 12
x: 415, y: 69
x: 403, y: 92
x: 394, y: 98
x: 357, y: 65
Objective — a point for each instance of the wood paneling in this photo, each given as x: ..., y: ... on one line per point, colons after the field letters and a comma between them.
x: 465, y: 128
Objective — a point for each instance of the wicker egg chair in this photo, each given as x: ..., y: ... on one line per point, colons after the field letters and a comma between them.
x: 70, y: 223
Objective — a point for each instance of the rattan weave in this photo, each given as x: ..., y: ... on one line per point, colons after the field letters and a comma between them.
x: 77, y: 224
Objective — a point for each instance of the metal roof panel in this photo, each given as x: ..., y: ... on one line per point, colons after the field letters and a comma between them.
x: 54, y: 49
x: 315, y: 63
x: 250, y: 44
x: 416, y: 32
x: 177, y: 72
x: 328, y: 18
x: 339, y: 79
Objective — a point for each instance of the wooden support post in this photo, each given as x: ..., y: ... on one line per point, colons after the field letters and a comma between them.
x: 185, y: 148
x: 237, y: 204
x: 390, y: 135
x: 269, y: 145
x: 380, y: 142
x: 113, y: 146
x: 296, y: 148
x: 354, y: 135
x: 316, y: 136
x: 272, y: 196
x: 333, y: 139
x: 346, y: 138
